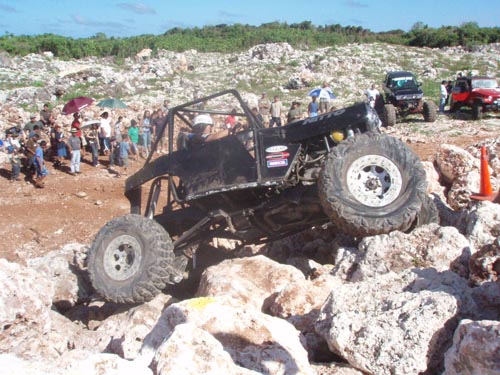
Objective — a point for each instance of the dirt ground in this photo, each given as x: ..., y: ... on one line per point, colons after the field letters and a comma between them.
x: 73, y: 208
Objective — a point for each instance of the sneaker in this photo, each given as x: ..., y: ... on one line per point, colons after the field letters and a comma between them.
x: 97, y: 165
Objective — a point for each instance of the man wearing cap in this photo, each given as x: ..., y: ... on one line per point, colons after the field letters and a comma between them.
x: 75, y: 145
x: 264, y: 106
x: 29, y: 126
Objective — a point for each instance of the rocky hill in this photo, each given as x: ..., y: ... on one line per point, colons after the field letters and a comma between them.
x: 424, y: 302
x: 144, y: 82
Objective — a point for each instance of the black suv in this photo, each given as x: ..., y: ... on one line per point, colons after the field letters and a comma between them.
x: 403, y: 96
x: 256, y: 185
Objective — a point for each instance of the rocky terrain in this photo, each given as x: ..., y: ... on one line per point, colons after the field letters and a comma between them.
x: 424, y: 302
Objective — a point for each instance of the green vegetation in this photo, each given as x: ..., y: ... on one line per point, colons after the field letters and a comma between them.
x: 238, y: 37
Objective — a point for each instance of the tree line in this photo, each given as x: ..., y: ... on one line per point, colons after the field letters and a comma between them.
x: 238, y: 37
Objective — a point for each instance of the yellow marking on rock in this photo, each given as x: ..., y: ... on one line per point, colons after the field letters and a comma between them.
x: 201, y: 303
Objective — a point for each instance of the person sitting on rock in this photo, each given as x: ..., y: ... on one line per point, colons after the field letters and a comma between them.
x: 46, y: 116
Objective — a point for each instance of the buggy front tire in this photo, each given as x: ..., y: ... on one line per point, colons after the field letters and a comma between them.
x: 372, y: 184
x: 132, y: 260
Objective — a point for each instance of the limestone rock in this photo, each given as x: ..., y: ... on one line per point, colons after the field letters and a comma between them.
x: 25, y: 296
x: 65, y: 269
x: 454, y: 162
x: 475, y: 349
x: 126, y: 331
x: 231, y: 277
x: 483, y: 224
x: 428, y: 246
x: 377, y: 324
x: 433, y: 184
x: 191, y: 351
x: 462, y: 188
x: 29, y: 340
x: 254, y: 340
x: 485, y: 264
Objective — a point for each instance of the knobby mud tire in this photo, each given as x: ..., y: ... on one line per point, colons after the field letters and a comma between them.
x: 428, y: 214
x: 346, y: 211
x: 389, y: 115
x: 477, y: 111
x: 429, y: 111
x: 132, y: 260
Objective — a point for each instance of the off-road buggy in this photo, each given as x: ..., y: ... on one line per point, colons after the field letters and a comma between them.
x: 254, y: 186
x: 403, y: 97
x: 481, y: 94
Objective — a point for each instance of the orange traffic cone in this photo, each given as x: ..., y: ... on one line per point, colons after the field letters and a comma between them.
x: 486, y: 191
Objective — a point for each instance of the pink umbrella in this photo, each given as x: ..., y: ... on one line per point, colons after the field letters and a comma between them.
x: 76, y: 105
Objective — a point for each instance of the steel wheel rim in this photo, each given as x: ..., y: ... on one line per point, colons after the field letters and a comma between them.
x: 374, y: 180
x: 122, y: 257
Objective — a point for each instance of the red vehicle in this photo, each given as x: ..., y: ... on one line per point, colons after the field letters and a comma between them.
x: 481, y: 94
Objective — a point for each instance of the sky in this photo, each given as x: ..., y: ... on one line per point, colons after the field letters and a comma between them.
x: 122, y: 18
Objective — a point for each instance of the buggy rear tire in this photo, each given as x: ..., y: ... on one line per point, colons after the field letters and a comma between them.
x: 428, y: 214
x: 372, y: 184
x: 132, y: 260
x: 429, y: 111
x: 389, y: 115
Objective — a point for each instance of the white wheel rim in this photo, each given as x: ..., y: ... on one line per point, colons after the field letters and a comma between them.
x: 374, y: 180
x: 122, y: 257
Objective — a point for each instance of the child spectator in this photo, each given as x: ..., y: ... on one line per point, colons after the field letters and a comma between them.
x: 133, y: 133
x: 93, y: 141
x: 313, y: 107
x: 124, y: 150
x: 15, y: 162
x: 114, y: 152
x: 118, y: 129
x: 41, y: 169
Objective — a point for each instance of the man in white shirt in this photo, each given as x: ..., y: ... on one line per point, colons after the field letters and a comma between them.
x: 105, y: 129
x: 443, y: 93
x: 372, y: 94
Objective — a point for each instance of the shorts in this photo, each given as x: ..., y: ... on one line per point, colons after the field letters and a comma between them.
x: 323, y: 106
x: 41, y: 172
x: 62, y: 152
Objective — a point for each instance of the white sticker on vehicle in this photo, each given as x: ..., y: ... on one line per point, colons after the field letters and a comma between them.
x: 277, y: 163
x: 278, y: 148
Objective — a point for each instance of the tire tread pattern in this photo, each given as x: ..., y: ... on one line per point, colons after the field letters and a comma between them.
x: 156, y: 268
x: 350, y: 216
